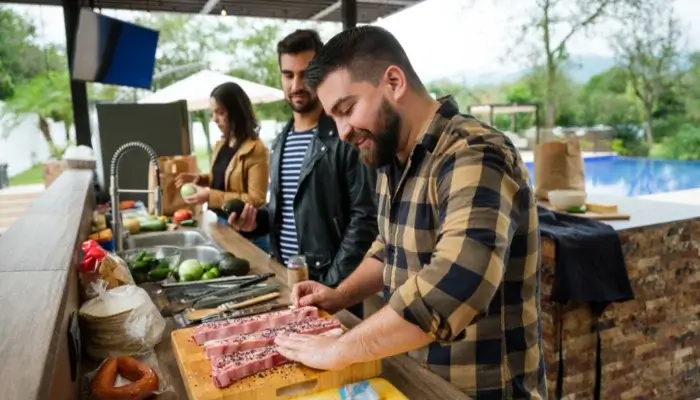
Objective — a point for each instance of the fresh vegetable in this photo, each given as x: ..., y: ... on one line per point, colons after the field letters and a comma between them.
x: 188, y: 189
x: 231, y: 266
x: 576, y: 210
x: 182, y: 215
x: 163, y: 218
x: 153, y: 226
x: 104, y: 235
x: 146, y: 267
x: 189, y: 223
x: 127, y: 204
x: 225, y: 254
x: 207, y: 276
x: 159, y: 274
x: 132, y: 225
x: 214, y: 272
x: 190, y: 270
x: 208, y: 266
x: 233, y: 206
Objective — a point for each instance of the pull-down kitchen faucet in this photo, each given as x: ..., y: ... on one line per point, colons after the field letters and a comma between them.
x: 115, y: 190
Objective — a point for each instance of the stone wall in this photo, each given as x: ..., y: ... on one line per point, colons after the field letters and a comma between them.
x: 650, y: 345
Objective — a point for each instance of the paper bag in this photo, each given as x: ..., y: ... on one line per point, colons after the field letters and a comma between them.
x: 170, y: 168
x: 558, y: 166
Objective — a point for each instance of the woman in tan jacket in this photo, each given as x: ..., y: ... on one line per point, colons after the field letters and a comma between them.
x: 240, y: 167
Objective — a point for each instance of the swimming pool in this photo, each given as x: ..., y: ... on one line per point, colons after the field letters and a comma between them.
x: 625, y: 176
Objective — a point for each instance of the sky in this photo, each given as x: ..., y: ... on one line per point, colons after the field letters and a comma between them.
x: 445, y: 37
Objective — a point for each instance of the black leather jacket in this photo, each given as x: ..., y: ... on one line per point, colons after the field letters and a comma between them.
x: 334, y: 209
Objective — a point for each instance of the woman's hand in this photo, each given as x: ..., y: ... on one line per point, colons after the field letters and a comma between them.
x: 185, y: 177
x: 246, y: 221
x: 201, y: 196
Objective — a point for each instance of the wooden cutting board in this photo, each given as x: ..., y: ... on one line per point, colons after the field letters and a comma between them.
x: 283, y: 382
x: 600, y: 216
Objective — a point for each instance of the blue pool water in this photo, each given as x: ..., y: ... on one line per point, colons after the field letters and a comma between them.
x: 624, y: 176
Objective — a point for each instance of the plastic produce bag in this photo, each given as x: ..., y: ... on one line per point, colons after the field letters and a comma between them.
x: 120, y: 322
x: 149, y: 358
x: 101, y: 269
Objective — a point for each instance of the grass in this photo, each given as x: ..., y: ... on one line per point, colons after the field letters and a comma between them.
x: 31, y: 176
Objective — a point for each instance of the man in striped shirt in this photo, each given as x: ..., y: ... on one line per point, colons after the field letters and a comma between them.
x: 322, y: 202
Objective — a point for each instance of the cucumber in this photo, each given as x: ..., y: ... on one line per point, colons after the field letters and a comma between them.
x: 159, y: 274
x: 188, y: 223
x: 153, y: 226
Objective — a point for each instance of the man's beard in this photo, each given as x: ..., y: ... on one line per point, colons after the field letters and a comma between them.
x: 306, y: 107
x: 382, y: 151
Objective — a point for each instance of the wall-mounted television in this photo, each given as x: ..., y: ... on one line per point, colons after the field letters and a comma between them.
x: 115, y: 52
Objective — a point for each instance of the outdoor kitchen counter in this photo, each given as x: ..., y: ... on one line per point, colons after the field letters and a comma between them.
x: 650, y: 344
x: 411, y: 379
x: 39, y: 291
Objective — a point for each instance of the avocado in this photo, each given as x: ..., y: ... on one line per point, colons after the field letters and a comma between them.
x: 233, y: 206
x: 231, y: 266
x: 226, y: 254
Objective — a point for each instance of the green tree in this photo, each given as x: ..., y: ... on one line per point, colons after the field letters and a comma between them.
x: 20, y: 58
x: 48, y: 97
x: 258, y: 63
x: 605, y: 99
x: 648, y: 47
x: 691, y: 81
x: 553, y: 24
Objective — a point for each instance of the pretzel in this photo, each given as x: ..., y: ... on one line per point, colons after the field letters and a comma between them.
x: 144, y: 380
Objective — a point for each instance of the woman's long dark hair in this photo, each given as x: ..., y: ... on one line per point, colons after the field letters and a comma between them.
x: 241, y: 117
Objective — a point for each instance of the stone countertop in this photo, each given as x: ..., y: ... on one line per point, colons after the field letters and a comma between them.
x: 645, y: 213
x: 413, y: 380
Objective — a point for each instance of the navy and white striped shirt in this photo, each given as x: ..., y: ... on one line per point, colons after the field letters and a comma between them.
x: 293, y: 152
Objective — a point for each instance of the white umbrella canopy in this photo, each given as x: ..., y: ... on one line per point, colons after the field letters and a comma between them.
x: 196, y: 88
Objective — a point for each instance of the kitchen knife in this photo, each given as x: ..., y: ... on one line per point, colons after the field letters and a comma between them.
x: 227, y: 279
x: 199, y: 314
x: 175, y: 307
x: 233, y: 288
x: 243, y: 295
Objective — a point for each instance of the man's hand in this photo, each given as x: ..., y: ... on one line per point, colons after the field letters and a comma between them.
x: 310, y: 293
x: 315, y: 351
x: 201, y: 196
x: 185, y: 177
x: 246, y: 221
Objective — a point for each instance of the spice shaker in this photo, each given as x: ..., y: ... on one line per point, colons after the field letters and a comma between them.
x: 297, y: 270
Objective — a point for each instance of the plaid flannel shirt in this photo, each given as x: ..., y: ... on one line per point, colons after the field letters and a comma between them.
x: 460, y: 244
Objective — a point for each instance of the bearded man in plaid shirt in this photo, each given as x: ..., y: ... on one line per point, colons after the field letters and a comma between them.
x: 458, y: 249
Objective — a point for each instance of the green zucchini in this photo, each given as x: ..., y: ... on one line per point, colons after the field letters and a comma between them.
x: 153, y: 226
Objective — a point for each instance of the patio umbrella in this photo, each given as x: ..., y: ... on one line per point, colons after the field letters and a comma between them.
x: 196, y: 88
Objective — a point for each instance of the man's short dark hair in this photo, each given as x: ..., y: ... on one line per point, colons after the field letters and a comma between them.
x: 299, y: 41
x: 366, y: 52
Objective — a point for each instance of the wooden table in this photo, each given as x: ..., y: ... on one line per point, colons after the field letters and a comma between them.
x: 409, y: 377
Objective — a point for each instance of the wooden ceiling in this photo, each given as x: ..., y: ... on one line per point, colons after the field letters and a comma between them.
x: 321, y: 10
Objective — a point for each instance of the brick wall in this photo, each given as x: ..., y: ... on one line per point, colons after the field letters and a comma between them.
x: 651, y: 345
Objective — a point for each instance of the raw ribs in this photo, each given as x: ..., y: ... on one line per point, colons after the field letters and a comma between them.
x: 229, y: 368
x: 236, y: 326
x: 266, y: 337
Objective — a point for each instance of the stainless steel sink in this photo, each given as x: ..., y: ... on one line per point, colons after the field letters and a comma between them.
x: 181, y: 238
x: 203, y: 254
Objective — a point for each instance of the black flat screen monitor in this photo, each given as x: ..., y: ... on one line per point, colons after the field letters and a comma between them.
x: 115, y: 52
